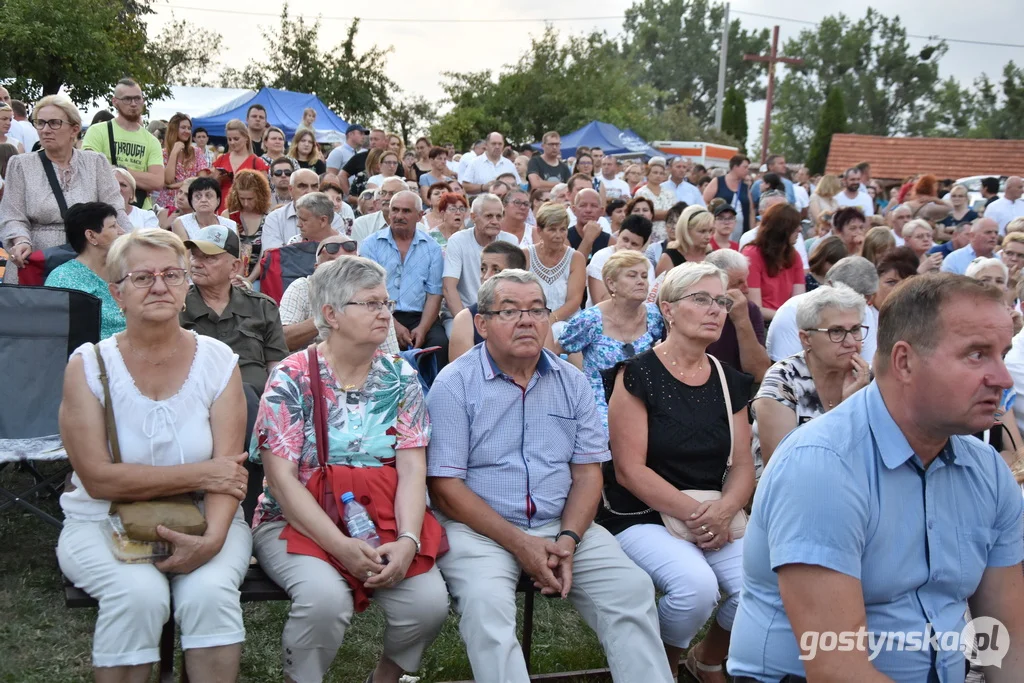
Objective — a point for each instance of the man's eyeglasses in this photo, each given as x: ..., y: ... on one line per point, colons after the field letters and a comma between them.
x: 512, y: 315
x: 282, y: 172
x: 131, y: 99
x: 705, y: 300
x: 54, y: 124
x: 837, y: 335
x: 333, y: 248
x: 374, y: 307
x: 144, y: 279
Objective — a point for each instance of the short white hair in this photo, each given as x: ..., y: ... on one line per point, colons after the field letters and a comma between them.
x: 482, y: 199
x: 335, y: 283
x: 686, y: 275
x: 916, y: 224
x: 295, y: 174
x: 728, y: 260
x: 128, y: 177
x: 981, y: 263
x: 408, y: 193
x: 811, y: 305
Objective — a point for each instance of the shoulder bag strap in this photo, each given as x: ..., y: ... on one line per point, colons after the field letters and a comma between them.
x: 113, y: 145
x: 108, y: 408
x: 51, y: 176
x: 319, y: 420
x: 728, y: 406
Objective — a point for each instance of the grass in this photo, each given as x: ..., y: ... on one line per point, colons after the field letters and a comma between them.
x: 44, y: 642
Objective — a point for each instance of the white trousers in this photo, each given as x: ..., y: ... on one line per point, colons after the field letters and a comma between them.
x: 689, y: 578
x: 135, y: 598
x: 611, y: 593
x: 322, y: 608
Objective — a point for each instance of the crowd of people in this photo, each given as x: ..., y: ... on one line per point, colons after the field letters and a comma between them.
x: 623, y: 352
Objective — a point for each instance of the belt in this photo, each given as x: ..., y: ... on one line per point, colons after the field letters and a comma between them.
x: 789, y: 678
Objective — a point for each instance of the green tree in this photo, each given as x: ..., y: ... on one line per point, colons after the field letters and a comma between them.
x: 351, y: 83
x: 886, y: 85
x: 734, y: 117
x: 410, y: 117
x: 83, y: 46
x: 832, y: 120
x: 183, y: 53
x: 560, y: 83
x: 676, y: 46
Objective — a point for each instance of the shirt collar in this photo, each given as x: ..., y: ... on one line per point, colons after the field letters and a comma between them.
x: 892, y: 445
x: 385, y: 234
x: 492, y: 371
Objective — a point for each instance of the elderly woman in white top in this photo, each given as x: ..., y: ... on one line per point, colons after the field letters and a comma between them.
x: 180, y: 416
x: 140, y: 218
x: 30, y: 214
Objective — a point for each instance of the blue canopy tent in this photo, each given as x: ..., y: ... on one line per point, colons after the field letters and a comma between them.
x: 284, y: 110
x: 611, y: 139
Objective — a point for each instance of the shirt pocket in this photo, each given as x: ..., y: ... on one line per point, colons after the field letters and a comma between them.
x: 560, y: 433
x: 974, y: 545
x: 250, y: 344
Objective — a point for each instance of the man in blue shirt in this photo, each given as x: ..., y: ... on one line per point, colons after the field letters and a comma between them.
x: 776, y: 163
x: 984, y: 237
x: 883, y: 519
x: 960, y: 238
x: 514, y: 465
x: 414, y: 264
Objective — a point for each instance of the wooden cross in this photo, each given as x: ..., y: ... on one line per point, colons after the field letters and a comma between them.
x: 771, y: 59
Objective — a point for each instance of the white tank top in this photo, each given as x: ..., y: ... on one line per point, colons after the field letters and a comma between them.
x: 555, y: 280
x: 191, y: 225
x: 175, y: 431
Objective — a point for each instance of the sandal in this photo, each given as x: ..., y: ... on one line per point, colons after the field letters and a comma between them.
x: 696, y: 667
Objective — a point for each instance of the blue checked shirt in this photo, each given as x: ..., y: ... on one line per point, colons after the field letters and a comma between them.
x: 513, y: 446
x: 846, y: 492
x: 410, y: 281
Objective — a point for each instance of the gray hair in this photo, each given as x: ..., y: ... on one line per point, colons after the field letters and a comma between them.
x: 481, y: 199
x: 855, y: 272
x: 915, y: 224
x: 317, y: 203
x: 684, y: 276
x: 767, y: 199
x: 335, y: 283
x: 409, y: 193
x: 727, y: 260
x: 485, y: 297
x: 295, y: 175
x: 810, y: 306
x: 981, y: 263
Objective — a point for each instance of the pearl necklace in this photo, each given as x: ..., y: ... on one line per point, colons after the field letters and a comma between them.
x: 700, y: 366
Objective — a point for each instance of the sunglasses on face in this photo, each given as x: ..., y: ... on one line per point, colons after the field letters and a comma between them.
x: 282, y: 172
x: 333, y: 248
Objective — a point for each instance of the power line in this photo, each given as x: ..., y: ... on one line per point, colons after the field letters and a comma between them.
x: 539, y: 20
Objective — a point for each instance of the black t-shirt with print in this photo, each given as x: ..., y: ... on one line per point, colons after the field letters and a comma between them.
x: 552, y: 174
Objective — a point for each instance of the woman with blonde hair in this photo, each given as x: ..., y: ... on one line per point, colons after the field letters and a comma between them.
x: 824, y: 197
x: 693, y: 232
x: 181, y: 161
x: 877, y: 243
x: 305, y: 150
x: 238, y: 157
x: 31, y: 216
x: 6, y: 120
x: 179, y: 414
x: 140, y: 218
x: 274, y: 148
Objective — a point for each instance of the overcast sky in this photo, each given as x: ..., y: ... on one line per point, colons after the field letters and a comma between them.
x: 438, y: 37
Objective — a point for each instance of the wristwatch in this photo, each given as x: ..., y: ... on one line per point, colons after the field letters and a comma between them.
x: 412, y: 537
x: 571, y: 534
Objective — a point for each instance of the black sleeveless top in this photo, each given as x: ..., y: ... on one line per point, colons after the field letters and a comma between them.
x: 687, y: 433
x: 477, y: 339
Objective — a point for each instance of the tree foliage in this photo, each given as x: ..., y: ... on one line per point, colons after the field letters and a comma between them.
x: 184, y: 53
x: 982, y: 110
x: 886, y: 85
x: 560, y: 83
x: 84, y: 46
x: 410, y: 117
x: 676, y: 45
x: 353, y: 84
x: 833, y: 120
x: 734, y: 116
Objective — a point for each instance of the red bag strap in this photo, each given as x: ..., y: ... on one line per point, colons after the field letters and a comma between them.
x: 319, y: 419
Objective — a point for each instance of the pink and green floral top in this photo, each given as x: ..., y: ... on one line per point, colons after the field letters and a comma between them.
x: 364, y: 426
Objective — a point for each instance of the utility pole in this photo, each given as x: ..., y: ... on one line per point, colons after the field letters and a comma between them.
x: 723, y: 57
x: 772, y: 58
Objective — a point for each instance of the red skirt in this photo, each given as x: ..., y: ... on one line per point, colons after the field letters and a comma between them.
x: 375, y: 489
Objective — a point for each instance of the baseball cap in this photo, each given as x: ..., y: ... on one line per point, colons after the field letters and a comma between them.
x: 723, y: 208
x: 215, y: 239
x: 353, y: 128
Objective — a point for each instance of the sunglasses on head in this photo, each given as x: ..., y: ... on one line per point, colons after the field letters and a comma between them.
x: 333, y: 248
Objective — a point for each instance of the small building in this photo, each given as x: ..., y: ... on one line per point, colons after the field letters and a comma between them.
x: 893, y: 160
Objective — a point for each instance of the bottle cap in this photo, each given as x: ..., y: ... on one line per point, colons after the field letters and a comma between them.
x: 347, y: 497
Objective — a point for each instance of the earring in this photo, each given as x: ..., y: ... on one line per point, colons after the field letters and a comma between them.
x: 183, y: 307
x: 612, y: 294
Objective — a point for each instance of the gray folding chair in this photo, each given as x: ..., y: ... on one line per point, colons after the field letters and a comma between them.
x: 39, y: 328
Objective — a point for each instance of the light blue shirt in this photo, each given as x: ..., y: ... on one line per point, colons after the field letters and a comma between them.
x: 513, y: 446
x: 846, y: 492
x: 685, y: 192
x: 755, y: 191
x: 958, y: 261
x: 412, y: 279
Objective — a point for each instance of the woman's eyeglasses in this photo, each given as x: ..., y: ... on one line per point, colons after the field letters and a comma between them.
x: 333, y: 248
x: 837, y: 335
x: 54, y: 124
x: 374, y: 307
x: 705, y: 300
x: 144, y: 279
x: 456, y: 209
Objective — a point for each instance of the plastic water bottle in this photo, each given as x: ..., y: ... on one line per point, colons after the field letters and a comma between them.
x: 358, y: 522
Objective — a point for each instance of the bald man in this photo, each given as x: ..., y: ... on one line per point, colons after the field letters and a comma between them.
x: 1010, y: 206
x: 282, y: 224
x: 586, y: 236
x: 984, y: 238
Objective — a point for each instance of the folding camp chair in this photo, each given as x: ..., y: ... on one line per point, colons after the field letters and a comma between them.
x: 39, y: 328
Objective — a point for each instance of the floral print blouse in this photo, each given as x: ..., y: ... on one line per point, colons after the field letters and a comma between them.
x: 364, y: 427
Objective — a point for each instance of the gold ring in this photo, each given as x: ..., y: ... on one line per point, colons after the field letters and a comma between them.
x: 369, y: 574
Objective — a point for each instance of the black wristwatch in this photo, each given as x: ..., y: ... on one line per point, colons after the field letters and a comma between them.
x: 571, y: 534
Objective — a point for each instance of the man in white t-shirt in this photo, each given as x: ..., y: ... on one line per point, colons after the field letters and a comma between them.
x: 488, y: 166
x: 1003, y: 210
x: 855, y: 272
x: 461, y: 277
x: 21, y: 128
x: 852, y: 194
x: 614, y: 187
x: 466, y: 159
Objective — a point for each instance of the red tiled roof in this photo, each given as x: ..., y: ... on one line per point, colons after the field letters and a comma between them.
x: 899, y: 158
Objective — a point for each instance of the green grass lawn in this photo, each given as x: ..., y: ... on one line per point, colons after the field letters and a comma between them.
x: 44, y: 642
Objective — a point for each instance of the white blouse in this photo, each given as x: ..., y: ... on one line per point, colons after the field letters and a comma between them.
x: 174, y: 431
